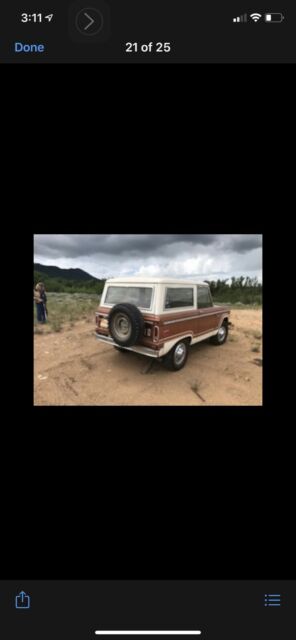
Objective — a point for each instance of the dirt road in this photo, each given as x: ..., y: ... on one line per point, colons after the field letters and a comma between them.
x: 73, y: 368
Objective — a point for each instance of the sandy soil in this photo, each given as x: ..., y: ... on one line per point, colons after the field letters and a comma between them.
x: 73, y: 368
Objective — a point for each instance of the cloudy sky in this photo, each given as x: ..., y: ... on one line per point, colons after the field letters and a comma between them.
x: 200, y: 256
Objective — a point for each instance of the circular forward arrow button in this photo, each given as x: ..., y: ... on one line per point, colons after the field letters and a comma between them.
x: 89, y: 21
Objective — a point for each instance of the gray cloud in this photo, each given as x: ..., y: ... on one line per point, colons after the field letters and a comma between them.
x: 86, y: 245
x: 240, y: 243
x: 107, y: 255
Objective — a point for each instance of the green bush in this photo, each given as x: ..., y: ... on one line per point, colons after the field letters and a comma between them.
x: 241, y: 290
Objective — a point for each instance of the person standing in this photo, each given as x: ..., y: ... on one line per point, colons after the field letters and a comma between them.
x: 40, y: 299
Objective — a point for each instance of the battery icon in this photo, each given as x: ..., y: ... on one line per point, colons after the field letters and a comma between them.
x: 274, y: 17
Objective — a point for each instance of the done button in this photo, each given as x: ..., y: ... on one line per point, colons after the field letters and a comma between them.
x: 20, y: 47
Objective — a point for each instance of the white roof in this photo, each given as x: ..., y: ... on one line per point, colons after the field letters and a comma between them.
x: 144, y: 280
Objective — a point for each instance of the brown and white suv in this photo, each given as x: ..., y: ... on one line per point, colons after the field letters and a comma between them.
x: 160, y: 317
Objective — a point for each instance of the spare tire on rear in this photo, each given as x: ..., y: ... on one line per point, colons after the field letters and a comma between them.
x: 126, y: 324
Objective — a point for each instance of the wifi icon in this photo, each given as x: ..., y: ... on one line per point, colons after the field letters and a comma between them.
x: 255, y: 16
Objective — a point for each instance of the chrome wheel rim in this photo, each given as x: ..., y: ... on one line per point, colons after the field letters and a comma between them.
x: 122, y: 326
x: 180, y: 353
x: 221, y: 334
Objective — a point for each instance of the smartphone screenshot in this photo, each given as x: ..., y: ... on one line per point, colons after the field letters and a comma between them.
x: 147, y: 31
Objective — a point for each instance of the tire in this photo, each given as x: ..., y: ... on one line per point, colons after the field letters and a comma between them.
x: 221, y: 336
x: 177, y: 357
x: 126, y: 324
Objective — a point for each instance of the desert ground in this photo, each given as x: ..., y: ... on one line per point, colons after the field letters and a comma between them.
x: 72, y: 368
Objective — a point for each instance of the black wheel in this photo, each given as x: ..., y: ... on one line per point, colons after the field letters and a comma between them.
x: 177, y: 357
x: 126, y: 324
x: 221, y: 336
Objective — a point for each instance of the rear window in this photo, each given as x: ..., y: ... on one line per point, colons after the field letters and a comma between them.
x: 139, y: 296
x: 178, y: 297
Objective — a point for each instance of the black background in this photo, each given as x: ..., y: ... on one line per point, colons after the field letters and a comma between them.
x: 93, y: 493
x: 144, y: 492
x: 200, y: 32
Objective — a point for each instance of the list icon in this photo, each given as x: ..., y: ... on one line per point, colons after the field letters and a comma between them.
x: 272, y: 600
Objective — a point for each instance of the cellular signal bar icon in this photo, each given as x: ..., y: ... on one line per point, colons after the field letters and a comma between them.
x: 272, y: 600
x: 243, y: 18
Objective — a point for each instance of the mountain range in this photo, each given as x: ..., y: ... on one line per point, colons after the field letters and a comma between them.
x: 66, y: 274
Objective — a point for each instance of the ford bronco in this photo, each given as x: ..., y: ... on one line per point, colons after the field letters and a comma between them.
x: 160, y: 317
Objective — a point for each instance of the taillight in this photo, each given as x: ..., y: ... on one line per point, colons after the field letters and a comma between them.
x: 102, y: 321
x: 148, y: 330
x: 155, y: 333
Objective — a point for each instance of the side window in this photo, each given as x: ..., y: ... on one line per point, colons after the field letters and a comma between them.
x: 176, y: 298
x: 204, y: 299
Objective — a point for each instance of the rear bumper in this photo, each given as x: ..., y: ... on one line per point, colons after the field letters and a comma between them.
x: 145, y: 351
